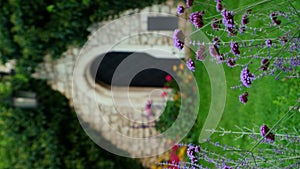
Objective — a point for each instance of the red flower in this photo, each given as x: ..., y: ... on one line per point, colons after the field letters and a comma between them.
x: 174, y: 159
x: 168, y: 78
x: 164, y: 94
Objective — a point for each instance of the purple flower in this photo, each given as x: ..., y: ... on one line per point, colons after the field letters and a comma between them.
x: 149, y: 104
x: 228, y: 18
x: 180, y: 10
x: 294, y: 62
x: 215, y: 24
x: 190, y: 64
x: 189, y: 3
x: 191, y: 150
x: 214, y: 51
x: 230, y: 62
x: 245, y: 19
x: 244, y: 98
x: 216, y: 42
x: 274, y: 19
x: 246, y: 77
x: 219, y: 6
x: 268, y: 43
x: 235, y: 48
x: 242, y: 29
x: 196, y: 19
x: 264, y: 64
x: 264, y: 129
x: 228, y: 22
x: 200, y: 53
x: 283, y: 40
x: 178, y: 39
x: 227, y: 167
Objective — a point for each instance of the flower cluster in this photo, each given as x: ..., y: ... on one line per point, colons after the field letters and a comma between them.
x: 274, y: 19
x: 235, y: 48
x: 216, y: 155
x: 246, y: 77
x: 214, y: 51
x: 243, y: 47
x: 283, y: 40
x: 227, y: 167
x: 216, y: 24
x: 244, y: 21
x: 168, y: 78
x: 189, y: 3
x: 216, y: 42
x: 180, y: 10
x: 148, y: 110
x: 268, y: 43
x: 264, y: 64
x: 244, y: 98
x: 174, y: 157
x: 190, y: 64
x: 197, y: 19
x: 178, y: 39
x: 263, y: 132
x: 191, y: 152
x: 230, y: 62
x: 228, y: 22
x: 200, y: 53
x: 219, y: 6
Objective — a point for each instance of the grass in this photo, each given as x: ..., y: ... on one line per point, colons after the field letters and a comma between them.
x: 268, y: 98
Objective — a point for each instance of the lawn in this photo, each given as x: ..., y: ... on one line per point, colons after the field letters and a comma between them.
x: 269, y: 97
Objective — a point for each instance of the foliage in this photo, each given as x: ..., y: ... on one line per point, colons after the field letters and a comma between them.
x: 31, y: 29
x: 49, y: 136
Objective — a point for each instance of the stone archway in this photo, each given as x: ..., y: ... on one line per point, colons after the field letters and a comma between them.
x: 59, y: 72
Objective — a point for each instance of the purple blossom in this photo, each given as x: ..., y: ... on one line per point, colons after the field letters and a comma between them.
x: 228, y: 18
x: 264, y: 129
x: 274, y: 19
x: 245, y: 19
x: 230, y: 62
x: 264, y: 64
x: 178, y: 39
x: 246, y: 77
x: 149, y: 104
x: 190, y: 64
x: 197, y: 19
x: 242, y: 29
x: 283, y: 40
x: 244, y: 98
x: 295, y: 45
x: 215, y: 24
x: 191, y: 152
x: 219, y: 6
x: 235, y: 48
x: 268, y: 43
x: 200, y: 53
x: 227, y: 167
x: 189, y: 3
x: 228, y: 22
x: 294, y: 61
x: 214, y: 51
x: 216, y: 42
x: 180, y: 10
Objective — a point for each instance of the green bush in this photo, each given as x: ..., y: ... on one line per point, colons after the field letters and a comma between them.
x: 31, y: 29
x: 50, y: 136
